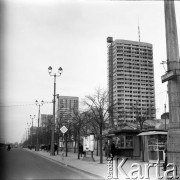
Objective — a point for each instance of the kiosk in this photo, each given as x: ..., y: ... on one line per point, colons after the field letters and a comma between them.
x: 127, y: 142
x: 154, y: 142
x: 88, y: 146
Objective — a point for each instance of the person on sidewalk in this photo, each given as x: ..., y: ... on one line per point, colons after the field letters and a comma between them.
x: 56, y: 148
x: 107, y: 149
x: 9, y: 147
x: 80, y: 149
x: 113, y: 149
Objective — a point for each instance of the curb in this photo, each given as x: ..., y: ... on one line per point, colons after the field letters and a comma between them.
x: 67, y: 165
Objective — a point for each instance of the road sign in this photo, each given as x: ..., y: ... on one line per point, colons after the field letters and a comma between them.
x: 63, y: 129
x: 168, y: 76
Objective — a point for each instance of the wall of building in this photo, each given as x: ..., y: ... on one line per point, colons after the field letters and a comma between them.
x: 133, y: 79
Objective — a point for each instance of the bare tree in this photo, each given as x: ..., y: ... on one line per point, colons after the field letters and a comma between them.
x: 97, y: 103
x: 79, y: 123
x: 142, y: 115
x: 92, y: 126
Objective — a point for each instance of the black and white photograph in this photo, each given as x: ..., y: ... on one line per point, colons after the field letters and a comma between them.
x: 90, y: 89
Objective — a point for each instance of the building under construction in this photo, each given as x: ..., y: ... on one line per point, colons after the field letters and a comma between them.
x: 130, y: 80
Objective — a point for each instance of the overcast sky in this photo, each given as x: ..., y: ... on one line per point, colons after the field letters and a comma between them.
x: 72, y: 35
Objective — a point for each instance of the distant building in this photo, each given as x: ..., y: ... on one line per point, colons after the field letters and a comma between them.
x: 45, y: 119
x: 33, y: 130
x: 66, y: 106
x: 130, y: 79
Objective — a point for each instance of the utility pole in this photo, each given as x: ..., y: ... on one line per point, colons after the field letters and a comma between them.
x: 38, y: 104
x: 173, y: 78
x: 32, y: 117
x: 52, y: 153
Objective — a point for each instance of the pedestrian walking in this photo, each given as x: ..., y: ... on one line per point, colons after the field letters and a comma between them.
x: 106, y: 149
x: 9, y: 147
x: 113, y: 149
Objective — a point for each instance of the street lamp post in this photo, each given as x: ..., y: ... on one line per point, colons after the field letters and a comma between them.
x: 38, y: 104
x: 28, y: 124
x: 53, y: 123
x: 32, y: 117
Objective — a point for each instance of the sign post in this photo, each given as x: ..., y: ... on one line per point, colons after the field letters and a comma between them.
x: 63, y: 130
x: 168, y: 76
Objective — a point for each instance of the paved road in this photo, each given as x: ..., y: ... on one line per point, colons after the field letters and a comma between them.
x: 19, y: 164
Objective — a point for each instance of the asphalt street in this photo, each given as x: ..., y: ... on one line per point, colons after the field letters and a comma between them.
x: 19, y: 164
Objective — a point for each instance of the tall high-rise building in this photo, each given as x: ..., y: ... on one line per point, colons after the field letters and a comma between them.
x: 66, y: 107
x: 130, y: 80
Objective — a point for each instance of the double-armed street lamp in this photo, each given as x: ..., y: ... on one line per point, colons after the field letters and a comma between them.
x: 32, y: 117
x: 38, y: 104
x: 53, y: 123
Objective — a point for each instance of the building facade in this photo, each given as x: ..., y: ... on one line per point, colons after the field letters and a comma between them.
x: 66, y: 106
x: 33, y: 130
x: 130, y: 80
x: 46, y: 127
x: 46, y: 119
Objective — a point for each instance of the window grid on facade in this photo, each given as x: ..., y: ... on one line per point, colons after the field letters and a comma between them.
x: 132, y: 77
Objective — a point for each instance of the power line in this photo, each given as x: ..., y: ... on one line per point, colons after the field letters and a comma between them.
x: 17, y: 105
x: 160, y: 93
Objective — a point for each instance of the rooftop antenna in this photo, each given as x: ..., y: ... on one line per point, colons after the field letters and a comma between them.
x: 139, y: 35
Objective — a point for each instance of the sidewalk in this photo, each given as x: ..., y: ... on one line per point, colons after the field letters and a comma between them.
x: 95, y: 168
